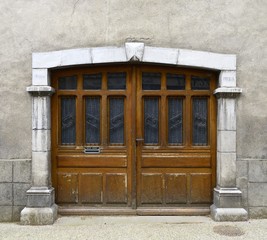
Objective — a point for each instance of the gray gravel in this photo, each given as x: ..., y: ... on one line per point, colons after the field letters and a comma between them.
x: 137, y: 227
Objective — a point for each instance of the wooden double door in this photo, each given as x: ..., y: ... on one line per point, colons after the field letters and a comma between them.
x: 133, y: 138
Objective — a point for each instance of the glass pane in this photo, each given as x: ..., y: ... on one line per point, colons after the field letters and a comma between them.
x: 200, y: 83
x: 117, y: 81
x: 68, y: 83
x: 92, y: 123
x: 151, y: 121
x: 116, y: 120
x: 68, y: 120
x: 92, y: 81
x: 151, y: 81
x: 175, y: 120
x: 175, y: 82
x: 200, y: 121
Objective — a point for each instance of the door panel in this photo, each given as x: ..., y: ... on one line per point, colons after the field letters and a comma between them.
x: 133, y: 137
x: 175, y: 188
x: 200, y: 187
x: 92, y: 188
x: 116, y: 188
x: 175, y: 162
x: 151, y: 188
x: 67, y: 187
x: 92, y: 142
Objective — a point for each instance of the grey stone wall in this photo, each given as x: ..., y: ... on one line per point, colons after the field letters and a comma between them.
x: 15, y: 180
x: 252, y: 180
x: 222, y: 26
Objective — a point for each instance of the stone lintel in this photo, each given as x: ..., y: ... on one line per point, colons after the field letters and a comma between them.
x: 133, y: 51
x: 40, y: 90
x: 39, y: 216
x: 228, y: 214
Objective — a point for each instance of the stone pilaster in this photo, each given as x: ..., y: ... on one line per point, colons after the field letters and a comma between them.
x: 227, y: 197
x: 40, y: 208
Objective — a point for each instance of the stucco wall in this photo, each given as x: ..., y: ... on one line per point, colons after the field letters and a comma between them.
x: 222, y: 26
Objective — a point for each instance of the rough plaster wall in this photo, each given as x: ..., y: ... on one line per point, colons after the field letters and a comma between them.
x: 225, y: 26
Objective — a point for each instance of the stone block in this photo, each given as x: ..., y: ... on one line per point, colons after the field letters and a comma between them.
x: 75, y: 57
x: 39, y: 197
x: 6, y: 194
x: 19, y: 193
x: 41, y: 140
x: 227, y: 79
x: 46, y: 59
x: 41, y: 162
x: 227, y: 197
x: 228, y: 214
x: 16, y: 213
x: 242, y: 168
x: 41, y: 116
x: 258, y: 171
x: 22, y: 171
x: 5, y: 213
x: 226, y: 141
x: 108, y: 55
x: 134, y: 51
x: 40, y: 77
x: 257, y: 194
x: 244, y: 200
x: 226, y: 119
x: 161, y: 55
x: 258, y: 212
x: 207, y: 60
x: 242, y: 180
x: 226, y: 174
x: 38, y: 216
x: 6, y: 171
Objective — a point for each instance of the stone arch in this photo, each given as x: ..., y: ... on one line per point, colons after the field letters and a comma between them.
x: 41, y: 207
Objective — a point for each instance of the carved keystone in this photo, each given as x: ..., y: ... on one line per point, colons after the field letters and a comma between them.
x: 134, y: 51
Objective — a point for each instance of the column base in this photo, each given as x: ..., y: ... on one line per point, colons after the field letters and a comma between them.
x: 40, y: 197
x: 38, y: 216
x: 228, y: 214
x: 41, y: 208
x: 227, y: 205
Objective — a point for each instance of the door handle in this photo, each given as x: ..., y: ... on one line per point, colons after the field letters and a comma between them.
x: 139, y: 141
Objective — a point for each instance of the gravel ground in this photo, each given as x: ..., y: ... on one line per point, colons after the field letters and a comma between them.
x: 137, y: 227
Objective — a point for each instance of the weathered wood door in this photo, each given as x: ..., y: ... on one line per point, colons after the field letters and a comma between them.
x: 134, y: 139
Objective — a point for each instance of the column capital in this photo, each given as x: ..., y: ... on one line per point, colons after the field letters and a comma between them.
x: 40, y: 90
x: 227, y: 92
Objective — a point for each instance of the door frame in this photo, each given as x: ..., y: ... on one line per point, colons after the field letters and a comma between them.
x: 41, y: 194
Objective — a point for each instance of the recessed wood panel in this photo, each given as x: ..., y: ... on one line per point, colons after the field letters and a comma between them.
x: 67, y: 188
x: 116, y: 188
x: 200, y: 188
x: 175, y: 188
x: 92, y: 161
x: 91, y: 188
x: 151, y: 188
x: 189, y: 160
